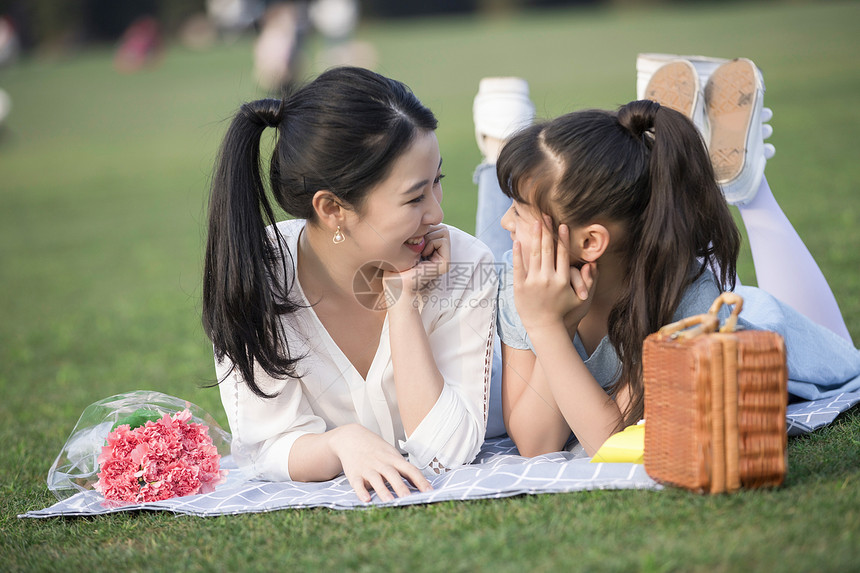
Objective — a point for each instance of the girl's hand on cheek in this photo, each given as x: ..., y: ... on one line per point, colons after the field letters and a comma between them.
x: 550, y: 292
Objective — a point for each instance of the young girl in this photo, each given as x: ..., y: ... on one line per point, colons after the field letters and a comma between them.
x: 341, y: 344
x: 618, y: 228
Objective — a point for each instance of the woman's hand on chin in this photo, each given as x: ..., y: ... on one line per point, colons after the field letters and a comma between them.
x: 435, y: 262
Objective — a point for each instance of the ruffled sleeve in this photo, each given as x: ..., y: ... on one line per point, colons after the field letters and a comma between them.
x: 265, y: 429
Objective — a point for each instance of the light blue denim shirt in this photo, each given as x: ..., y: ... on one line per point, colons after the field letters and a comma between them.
x: 603, y: 363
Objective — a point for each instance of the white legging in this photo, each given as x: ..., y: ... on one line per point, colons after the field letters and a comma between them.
x: 784, y: 267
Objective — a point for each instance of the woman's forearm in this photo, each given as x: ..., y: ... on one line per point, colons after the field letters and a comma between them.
x: 417, y: 379
x: 312, y: 457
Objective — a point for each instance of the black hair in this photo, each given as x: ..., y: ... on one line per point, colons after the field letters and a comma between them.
x: 646, y: 167
x: 342, y: 132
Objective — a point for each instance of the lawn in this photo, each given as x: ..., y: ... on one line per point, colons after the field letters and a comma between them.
x: 103, y: 190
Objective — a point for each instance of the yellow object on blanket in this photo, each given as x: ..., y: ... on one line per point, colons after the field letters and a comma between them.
x: 627, y: 446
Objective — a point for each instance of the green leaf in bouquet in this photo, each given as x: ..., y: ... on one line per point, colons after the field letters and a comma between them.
x: 138, y: 418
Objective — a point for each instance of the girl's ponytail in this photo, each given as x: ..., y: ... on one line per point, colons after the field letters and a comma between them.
x: 242, y: 303
x: 685, y: 228
x: 686, y: 202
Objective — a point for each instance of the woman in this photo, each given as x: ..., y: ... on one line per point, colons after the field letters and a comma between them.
x: 341, y: 340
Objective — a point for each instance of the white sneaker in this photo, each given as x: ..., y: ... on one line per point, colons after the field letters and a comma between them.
x: 501, y: 108
x: 676, y: 85
x: 733, y: 102
x: 648, y: 63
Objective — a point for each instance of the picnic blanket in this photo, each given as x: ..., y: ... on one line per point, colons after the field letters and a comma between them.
x: 497, y: 472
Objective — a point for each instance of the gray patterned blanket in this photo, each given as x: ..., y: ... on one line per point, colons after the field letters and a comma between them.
x: 497, y: 472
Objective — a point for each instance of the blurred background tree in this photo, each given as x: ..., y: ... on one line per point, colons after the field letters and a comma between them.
x: 53, y: 24
x: 56, y: 25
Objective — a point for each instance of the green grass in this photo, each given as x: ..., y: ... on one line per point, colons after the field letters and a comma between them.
x: 102, y: 197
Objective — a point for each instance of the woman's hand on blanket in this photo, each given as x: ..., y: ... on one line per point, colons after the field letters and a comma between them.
x: 550, y: 290
x: 369, y: 462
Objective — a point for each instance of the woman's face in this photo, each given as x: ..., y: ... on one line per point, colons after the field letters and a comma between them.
x: 400, y: 210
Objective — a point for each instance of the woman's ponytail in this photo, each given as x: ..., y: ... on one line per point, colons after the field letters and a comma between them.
x: 242, y: 303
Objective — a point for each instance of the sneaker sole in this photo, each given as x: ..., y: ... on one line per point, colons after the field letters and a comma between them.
x: 729, y: 103
x: 675, y: 86
x: 648, y: 62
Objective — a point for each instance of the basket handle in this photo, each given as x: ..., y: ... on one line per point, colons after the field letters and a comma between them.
x: 729, y: 298
x: 693, y: 326
x: 700, y: 323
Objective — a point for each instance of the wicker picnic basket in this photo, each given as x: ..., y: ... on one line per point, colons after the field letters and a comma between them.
x: 715, y: 404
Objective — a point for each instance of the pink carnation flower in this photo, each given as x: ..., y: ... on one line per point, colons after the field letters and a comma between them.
x: 171, y: 457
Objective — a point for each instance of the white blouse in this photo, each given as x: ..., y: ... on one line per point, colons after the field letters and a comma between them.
x: 458, y: 312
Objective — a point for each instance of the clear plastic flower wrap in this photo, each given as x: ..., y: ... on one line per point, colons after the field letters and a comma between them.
x: 77, y: 467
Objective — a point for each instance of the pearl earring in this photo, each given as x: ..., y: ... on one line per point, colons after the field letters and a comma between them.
x: 338, y: 237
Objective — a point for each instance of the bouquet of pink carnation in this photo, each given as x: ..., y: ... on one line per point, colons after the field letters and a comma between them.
x: 158, y: 459
x: 169, y: 447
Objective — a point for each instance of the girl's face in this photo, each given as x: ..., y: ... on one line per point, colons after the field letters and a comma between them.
x: 520, y: 221
x: 401, y: 209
